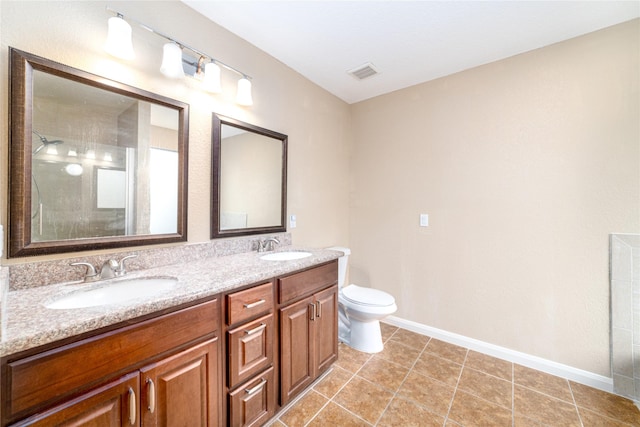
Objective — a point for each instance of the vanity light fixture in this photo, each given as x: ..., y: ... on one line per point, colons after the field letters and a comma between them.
x: 172, y: 61
x: 243, y: 96
x: 107, y: 157
x: 72, y: 152
x: 206, y: 68
x: 91, y: 154
x: 119, y: 38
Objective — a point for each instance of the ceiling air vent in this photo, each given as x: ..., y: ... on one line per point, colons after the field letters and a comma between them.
x: 364, y: 71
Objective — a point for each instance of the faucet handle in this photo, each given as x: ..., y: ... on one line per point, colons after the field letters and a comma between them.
x: 90, y: 274
x: 121, y: 270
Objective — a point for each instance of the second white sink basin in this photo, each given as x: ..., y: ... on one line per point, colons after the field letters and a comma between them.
x: 285, y: 256
x: 115, y: 292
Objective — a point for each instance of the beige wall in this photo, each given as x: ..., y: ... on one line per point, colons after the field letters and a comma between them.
x: 524, y: 167
x: 317, y: 123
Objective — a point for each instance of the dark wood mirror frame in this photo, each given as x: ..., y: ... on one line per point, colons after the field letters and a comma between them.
x: 21, y: 68
x: 216, y: 231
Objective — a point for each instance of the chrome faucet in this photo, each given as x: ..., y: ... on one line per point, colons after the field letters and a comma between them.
x: 268, y: 244
x: 110, y: 269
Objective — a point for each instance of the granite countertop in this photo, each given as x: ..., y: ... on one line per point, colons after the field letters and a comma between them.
x: 30, y: 324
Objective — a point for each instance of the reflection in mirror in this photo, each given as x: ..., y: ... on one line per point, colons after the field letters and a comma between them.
x: 95, y: 164
x: 249, y: 179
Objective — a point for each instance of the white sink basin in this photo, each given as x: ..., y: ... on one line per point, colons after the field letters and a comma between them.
x: 115, y: 292
x: 285, y: 256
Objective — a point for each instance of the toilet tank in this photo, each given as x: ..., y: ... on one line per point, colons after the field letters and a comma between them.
x: 342, y: 263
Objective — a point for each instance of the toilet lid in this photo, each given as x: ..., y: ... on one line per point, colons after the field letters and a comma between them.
x: 367, y: 296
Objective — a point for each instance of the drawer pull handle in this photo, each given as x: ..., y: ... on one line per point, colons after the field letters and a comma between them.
x: 256, y: 329
x: 152, y: 395
x: 318, y: 309
x: 256, y: 388
x: 255, y: 304
x: 313, y: 311
x: 132, y: 406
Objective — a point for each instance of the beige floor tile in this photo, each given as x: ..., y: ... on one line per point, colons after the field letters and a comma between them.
x: 432, y: 394
x: 591, y: 419
x: 305, y: 409
x: 364, y: 399
x: 443, y: 370
x: 399, y: 353
x: 402, y: 412
x: 606, y: 404
x: 333, y: 382
x: 351, y: 359
x: 334, y: 415
x: 545, y: 409
x: 490, y: 365
x: 276, y: 423
x: 472, y: 411
x: 387, y: 330
x: 384, y: 373
x: 447, y: 351
x: 411, y: 339
x: 542, y: 382
x: 487, y: 387
x: 520, y: 420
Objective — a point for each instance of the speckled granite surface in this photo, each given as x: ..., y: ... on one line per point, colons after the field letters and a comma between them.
x: 30, y: 324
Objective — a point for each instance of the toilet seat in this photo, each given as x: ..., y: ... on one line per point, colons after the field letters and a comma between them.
x: 367, y: 296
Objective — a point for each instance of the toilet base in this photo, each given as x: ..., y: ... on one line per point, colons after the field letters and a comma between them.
x: 364, y: 336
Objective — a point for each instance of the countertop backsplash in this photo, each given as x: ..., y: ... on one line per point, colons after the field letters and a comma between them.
x: 42, y: 273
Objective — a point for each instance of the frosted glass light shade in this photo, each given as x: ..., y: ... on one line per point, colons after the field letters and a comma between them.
x: 243, y: 97
x: 172, y: 61
x: 211, y: 81
x: 119, y: 39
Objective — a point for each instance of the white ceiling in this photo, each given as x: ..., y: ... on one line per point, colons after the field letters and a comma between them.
x: 408, y: 42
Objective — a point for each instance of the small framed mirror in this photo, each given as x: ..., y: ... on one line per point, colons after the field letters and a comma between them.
x: 249, y: 191
x: 94, y: 163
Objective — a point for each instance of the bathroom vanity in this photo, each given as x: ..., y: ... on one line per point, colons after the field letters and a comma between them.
x: 232, y: 355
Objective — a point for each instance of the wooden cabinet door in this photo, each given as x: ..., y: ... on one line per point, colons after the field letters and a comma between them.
x: 326, y: 329
x: 112, y: 405
x: 250, y: 349
x: 182, y: 390
x: 253, y: 403
x: 296, y: 348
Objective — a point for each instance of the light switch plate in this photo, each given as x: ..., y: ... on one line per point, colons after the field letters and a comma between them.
x: 293, y: 221
x: 424, y: 220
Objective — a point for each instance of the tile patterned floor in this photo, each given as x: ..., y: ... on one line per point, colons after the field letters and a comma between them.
x: 421, y: 381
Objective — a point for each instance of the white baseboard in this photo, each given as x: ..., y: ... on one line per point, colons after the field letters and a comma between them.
x: 578, y: 375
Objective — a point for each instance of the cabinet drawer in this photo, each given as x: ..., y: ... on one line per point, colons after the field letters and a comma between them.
x: 247, y: 304
x: 250, y: 349
x: 307, y: 282
x: 54, y: 375
x: 254, y: 402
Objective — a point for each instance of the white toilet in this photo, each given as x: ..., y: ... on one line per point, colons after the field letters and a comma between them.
x: 360, y: 311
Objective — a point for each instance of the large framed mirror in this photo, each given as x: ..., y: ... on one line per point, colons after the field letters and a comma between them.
x: 94, y: 163
x: 249, y: 191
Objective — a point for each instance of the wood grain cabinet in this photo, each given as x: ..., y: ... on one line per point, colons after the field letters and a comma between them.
x: 164, y: 371
x: 308, y: 327
x: 250, y: 363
